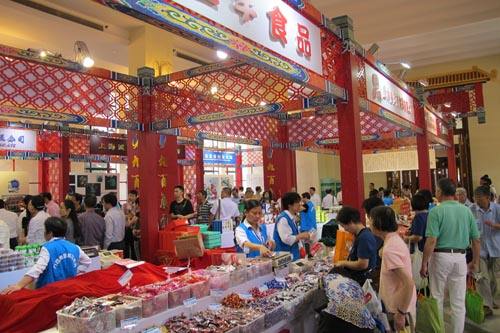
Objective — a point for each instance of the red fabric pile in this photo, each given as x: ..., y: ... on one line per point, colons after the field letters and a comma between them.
x: 35, y: 310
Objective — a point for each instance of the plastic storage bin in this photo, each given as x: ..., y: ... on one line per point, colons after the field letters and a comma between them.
x: 275, y: 316
x: 103, y: 322
x: 132, y: 308
x: 178, y: 296
x: 252, y: 272
x: 238, y: 276
x: 200, y: 289
x: 220, y: 280
x: 256, y: 325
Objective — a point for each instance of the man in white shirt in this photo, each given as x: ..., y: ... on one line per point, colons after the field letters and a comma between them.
x: 315, y: 198
x: 115, y: 223
x: 329, y: 200
x: 339, y: 197
x: 10, y: 219
x: 4, y: 235
x: 228, y: 209
x: 36, y: 228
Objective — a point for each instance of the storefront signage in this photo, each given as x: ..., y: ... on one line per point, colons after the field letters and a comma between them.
x: 107, y: 146
x: 383, y: 92
x: 271, y: 23
x: 431, y: 122
x: 160, y: 12
x: 218, y: 157
x: 16, y: 139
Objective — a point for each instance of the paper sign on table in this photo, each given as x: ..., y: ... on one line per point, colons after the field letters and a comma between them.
x: 125, y: 278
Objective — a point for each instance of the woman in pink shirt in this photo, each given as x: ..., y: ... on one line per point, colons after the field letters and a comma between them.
x: 397, y: 289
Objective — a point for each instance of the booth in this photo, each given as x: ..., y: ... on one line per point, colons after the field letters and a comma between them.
x: 302, y: 83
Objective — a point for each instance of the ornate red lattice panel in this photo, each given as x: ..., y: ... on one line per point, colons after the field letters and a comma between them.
x: 387, y: 144
x: 190, y: 152
x: 313, y: 128
x: 37, y: 86
x: 241, y: 86
x: 326, y: 127
x: 333, y: 62
x: 259, y: 127
x: 253, y: 157
x: 168, y: 105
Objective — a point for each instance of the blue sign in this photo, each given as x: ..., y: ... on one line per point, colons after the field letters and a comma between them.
x: 218, y: 157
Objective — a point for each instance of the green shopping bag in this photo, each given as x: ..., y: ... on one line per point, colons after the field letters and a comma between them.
x: 473, y: 302
x: 429, y: 320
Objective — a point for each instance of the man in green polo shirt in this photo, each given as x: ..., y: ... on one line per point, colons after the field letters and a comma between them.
x: 451, y: 228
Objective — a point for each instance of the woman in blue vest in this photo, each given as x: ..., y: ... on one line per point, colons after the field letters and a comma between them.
x: 286, y: 233
x: 251, y: 235
x: 59, y: 259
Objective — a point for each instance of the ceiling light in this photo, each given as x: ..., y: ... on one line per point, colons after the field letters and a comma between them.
x: 262, y: 103
x: 222, y: 55
x: 43, y: 54
x: 405, y: 65
x: 88, y: 62
x: 213, y: 90
x: 423, y: 82
x: 82, y: 54
x: 447, y: 105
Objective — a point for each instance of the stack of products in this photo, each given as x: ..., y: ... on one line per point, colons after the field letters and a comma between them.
x: 30, y: 253
x: 11, y: 260
x: 86, y: 315
x: 211, y: 239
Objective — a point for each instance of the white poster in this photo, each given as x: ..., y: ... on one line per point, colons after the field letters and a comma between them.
x: 17, y: 139
x: 431, y: 122
x: 383, y: 92
x: 271, y: 23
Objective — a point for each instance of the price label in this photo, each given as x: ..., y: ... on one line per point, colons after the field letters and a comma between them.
x: 125, y: 278
x: 129, y: 323
x: 245, y: 296
x: 263, y: 288
x: 214, y: 307
x: 152, y: 330
x: 217, y: 292
x: 190, y: 301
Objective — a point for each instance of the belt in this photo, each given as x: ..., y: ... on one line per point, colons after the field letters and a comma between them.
x: 450, y: 250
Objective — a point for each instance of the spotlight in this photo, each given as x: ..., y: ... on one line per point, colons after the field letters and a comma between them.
x: 88, y: 62
x: 213, y: 90
x: 447, y: 105
x: 43, y: 54
x: 405, y: 65
x: 82, y: 54
x: 222, y: 55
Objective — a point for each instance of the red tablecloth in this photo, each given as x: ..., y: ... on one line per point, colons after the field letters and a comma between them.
x: 35, y: 310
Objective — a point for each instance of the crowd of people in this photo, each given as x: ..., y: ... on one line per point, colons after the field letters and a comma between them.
x: 456, y: 236
x: 61, y: 230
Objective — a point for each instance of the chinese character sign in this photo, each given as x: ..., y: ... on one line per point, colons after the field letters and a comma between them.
x: 217, y: 157
x: 271, y: 23
x: 107, y: 146
x: 15, y: 139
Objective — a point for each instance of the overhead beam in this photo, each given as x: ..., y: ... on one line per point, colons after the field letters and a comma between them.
x: 223, y: 66
x: 269, y: 109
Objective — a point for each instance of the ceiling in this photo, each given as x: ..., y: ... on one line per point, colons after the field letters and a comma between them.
x: 422, y: 32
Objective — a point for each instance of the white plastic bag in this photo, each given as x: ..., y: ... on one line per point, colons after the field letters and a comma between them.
x: 373, y: 304
x: 416, y: 264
